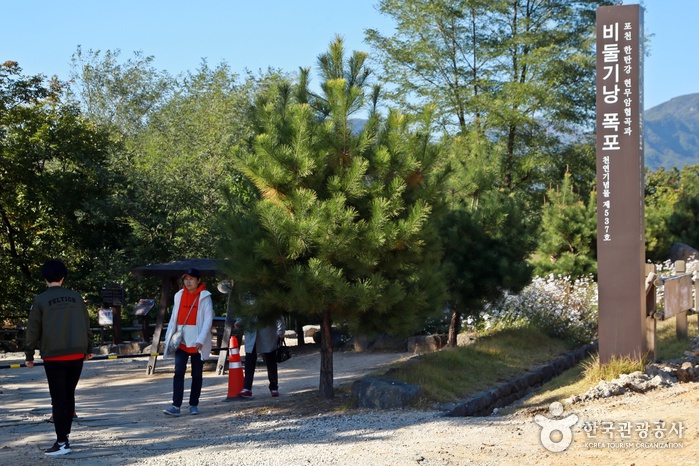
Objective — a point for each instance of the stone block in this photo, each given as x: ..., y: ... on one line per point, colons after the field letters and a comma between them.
x: 384, y: 394
x: 425, y: 344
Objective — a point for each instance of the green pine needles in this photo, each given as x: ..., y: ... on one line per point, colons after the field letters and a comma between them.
x: 340, y: 231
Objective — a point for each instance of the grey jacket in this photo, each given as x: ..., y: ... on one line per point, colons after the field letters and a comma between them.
x: 265, y: 337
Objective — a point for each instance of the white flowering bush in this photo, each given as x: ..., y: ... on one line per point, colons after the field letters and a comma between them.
x: 560, y: 306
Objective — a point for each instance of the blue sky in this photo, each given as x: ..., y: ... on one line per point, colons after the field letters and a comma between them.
x: 42, y: 35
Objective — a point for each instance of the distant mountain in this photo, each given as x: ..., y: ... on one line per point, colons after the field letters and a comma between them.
x: 672, y: 133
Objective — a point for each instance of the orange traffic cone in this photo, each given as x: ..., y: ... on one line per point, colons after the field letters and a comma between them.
x: 235, y: 370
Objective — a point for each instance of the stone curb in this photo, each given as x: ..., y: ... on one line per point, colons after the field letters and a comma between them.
x: 484, y: 403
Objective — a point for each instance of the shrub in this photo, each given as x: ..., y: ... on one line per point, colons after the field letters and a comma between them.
x: 559, y: 306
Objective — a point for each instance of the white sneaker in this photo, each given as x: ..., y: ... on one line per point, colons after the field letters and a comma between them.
x: 58, y: 449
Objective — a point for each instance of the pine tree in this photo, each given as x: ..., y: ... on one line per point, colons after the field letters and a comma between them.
x: 568, y: 239
x: 487, y: 235
x: 340, y: 231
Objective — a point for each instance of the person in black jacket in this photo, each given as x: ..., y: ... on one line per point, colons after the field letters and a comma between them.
x: 60, y: 324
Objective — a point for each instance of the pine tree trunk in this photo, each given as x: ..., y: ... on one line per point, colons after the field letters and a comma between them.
x: 326, y: 357
x: 454, y: 327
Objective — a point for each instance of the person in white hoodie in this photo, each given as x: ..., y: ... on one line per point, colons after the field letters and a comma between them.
x: 194, y: 312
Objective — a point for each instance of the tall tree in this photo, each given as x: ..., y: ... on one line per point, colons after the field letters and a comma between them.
x: 662, y: 191
x: 520, y: 70
x: 175, y: 137
x: 341, y: 229
x: 55, y: 185
x: 487, y: 235
x: 181, y: 164
x: 119, y: 95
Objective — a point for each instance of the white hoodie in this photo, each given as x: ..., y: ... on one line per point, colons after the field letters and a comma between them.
x: 205, y: 319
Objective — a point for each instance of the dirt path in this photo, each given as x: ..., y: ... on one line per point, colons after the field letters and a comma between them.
x: 121, y: 422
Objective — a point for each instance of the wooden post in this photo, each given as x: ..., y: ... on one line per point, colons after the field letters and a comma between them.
x: 227, y: 330
x: 620, y: 182
x: 162, y: 310
x: 651, y: 302
x: 116, y: 324
x: 681, y: 319
x: 300, y: 337
x: 144, y: 327
x: 651, y: 324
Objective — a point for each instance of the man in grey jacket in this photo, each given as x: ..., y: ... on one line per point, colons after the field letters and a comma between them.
x: 60, y: 324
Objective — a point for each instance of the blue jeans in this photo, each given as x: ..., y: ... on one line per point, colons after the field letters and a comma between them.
x: 181, y: 358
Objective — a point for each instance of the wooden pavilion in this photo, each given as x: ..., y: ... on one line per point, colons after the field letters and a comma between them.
x: 170, y: 272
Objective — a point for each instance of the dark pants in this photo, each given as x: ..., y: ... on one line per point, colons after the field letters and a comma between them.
x: 251, y: 361
x: 181, y: 358
x: 63, y: 377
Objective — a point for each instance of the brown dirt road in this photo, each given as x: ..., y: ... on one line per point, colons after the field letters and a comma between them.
x: 121, y: 422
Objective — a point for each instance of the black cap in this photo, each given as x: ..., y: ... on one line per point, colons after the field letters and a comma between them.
x: 192, y: 273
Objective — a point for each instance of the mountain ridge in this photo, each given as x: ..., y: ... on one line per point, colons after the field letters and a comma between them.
x: 671, y: 133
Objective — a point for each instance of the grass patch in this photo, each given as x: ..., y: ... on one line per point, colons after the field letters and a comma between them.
x: 456, y: 373
x: 594, y: 372
x: 588, y: 373
x: 569, y: 383
x: 667, y: 346
x: 501, y: 354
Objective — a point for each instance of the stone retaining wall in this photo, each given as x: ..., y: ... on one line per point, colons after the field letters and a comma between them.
x: 483, y: 403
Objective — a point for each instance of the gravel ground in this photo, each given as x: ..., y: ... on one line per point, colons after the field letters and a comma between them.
x: 121, y: 422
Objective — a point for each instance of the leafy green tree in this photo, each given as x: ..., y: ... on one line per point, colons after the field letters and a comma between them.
x: 118, y: 95
x: 55, y: 186
x: 485, y: 252
x: 174, y: 142
x: 569, y: 233
x: 662, y: 191
x: 340, y: 231
x: 683, y: 223
x: 181, y: 165
x: 521, y: 71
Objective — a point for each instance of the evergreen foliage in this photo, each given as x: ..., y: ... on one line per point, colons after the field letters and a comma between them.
x: 662, y: 190
x: 487, y: 235
x: 683, y: 223
x: 567, y: 245
x: 341, y: 230
x: 671, y: 210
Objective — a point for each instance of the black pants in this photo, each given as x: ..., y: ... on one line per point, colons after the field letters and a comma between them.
x: 251, y: 361
x: 63, y: 377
